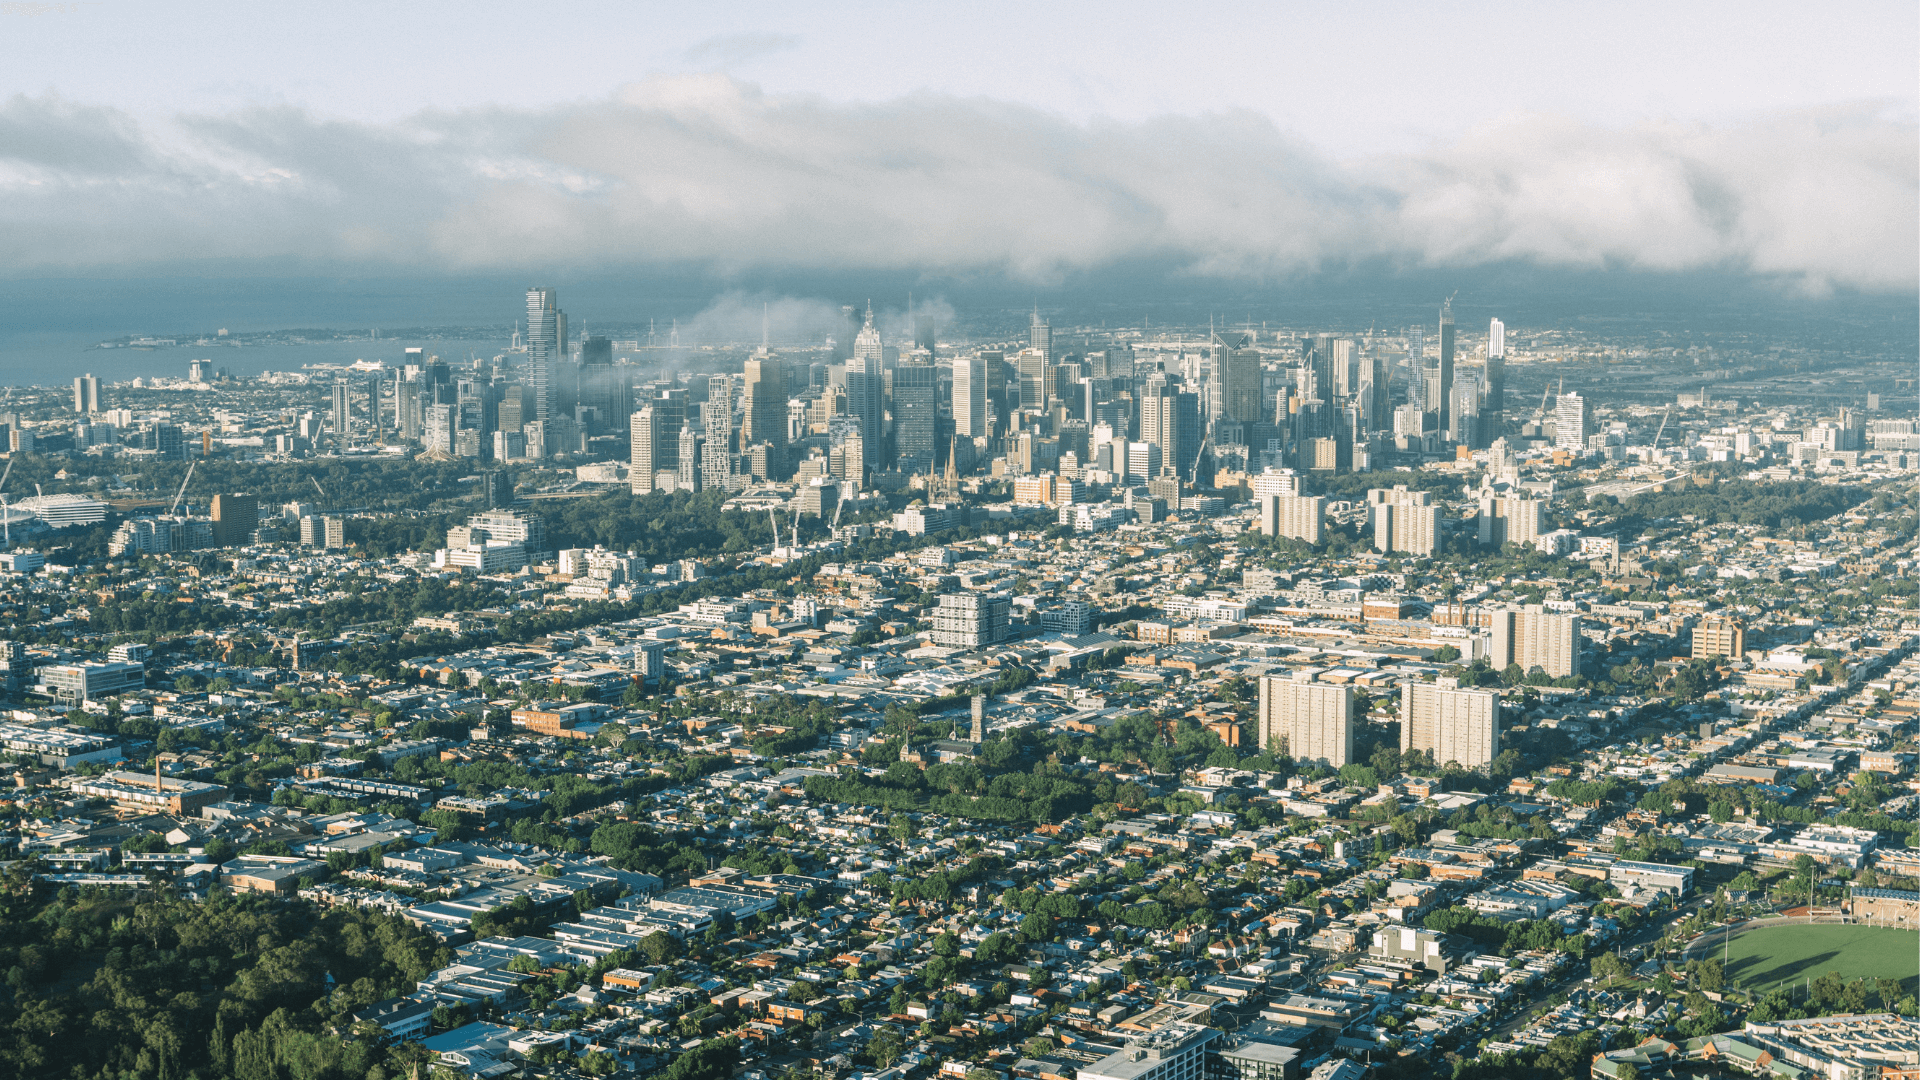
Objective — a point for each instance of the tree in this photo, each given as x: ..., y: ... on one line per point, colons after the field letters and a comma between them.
x: 1608, y: 967
x: 885, y: 1047
x: 900, y: 826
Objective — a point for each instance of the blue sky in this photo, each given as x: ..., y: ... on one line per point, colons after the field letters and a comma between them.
x: 1018, y: 139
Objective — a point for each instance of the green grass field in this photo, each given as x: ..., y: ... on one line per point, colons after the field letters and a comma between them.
x: 1763, y: 959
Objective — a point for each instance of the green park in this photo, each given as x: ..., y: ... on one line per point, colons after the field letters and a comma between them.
x: 1790, y: 956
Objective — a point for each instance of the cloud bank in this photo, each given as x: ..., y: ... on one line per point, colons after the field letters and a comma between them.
x: 707, y: 172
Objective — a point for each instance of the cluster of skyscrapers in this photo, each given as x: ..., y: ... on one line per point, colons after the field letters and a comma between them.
x: 1116, y: 407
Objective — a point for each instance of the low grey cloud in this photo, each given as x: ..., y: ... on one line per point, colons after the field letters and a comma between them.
x: 729, y: 49
x: 707, y: 172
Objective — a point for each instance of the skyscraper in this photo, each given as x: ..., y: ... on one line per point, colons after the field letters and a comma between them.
x: 970, y: 397
x: 866, y: 388
x: 915, y: 416
x: 689, y: 459
x: 1036, y: 378
x: 1493, y: 411
x: 765, y: 394
x: 1239, y: 368
x: 670, y: 414
x: 1375, y: 388
x: 341, y: 420
x: 642, y: 439
x: 1446, y: 363
x: 1159, y: 416
x: 1040, y: 336
x: 546, y: 348
x: 86, y: 394
x: 1572, y: 417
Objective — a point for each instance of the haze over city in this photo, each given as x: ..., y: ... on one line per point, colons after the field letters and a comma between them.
x: 853, y: 542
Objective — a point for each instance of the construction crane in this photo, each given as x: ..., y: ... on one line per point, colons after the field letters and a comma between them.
x: 793, y: 527
x: 1543, y: 400
x: 1193, y: 474
x: 1663, y: 427
x: 838, y: 505
x: 6, y: 515
x: 178, y: 495
x: 775, y: 522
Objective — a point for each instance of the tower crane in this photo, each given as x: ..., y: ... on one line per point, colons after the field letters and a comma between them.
x: 178, y: 495
x: 6, y: 515
x: 838, y: 506
x: 1663, y: 427
x: 775, y: 522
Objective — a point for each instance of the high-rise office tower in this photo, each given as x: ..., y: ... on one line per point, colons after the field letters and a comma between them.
x: 514, y: 410
x: 1189, y: 432
x: 373, y: 409
x: 915, y: 416
x: 866, y: 384
x: 604, y: 392
x: 1572, y: 420
x: 1239, y: 379
x: 1344, y: 360
x: 1036, y: 378
x: 670, y: 415
x: 438, y: 426
x: 1464, y: 409
x: 923, y: 329
x: 546, y: 349
x: 1320, y: 363
x: 994, y: 363
x: 407, y: 406
x: 643, y: 439
x: 86, y: 395
x: 970, y: 418
x: 1310, y: 720
x: 1533, y: 638
x: 341, y: 417
x: 499, y: 488
x: 689, y: 467
x: 1493, y: 411
x: 1377, y: 389
x: 1040, y: 336
x: 1454, y: 725
x: 1143, y: 462
x: 764, y: 392
x: 1446, y: 364
x: 866, y: 344
x: 1159, y: 416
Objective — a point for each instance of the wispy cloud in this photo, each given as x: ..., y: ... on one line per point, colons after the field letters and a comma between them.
x: 726, y: 50
x: 707, y: 172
